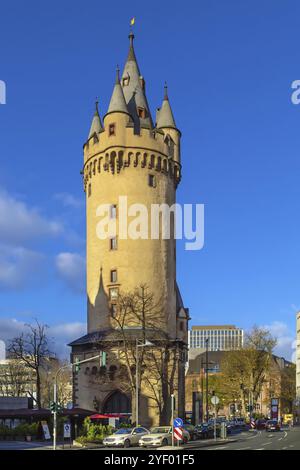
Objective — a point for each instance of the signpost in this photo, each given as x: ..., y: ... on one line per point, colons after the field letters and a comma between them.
x: 215, y: 400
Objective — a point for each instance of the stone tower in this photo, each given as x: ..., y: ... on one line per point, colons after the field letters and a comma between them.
x: 129, y: 160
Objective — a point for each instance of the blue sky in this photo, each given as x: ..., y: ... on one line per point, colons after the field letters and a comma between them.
x: 229, y: 67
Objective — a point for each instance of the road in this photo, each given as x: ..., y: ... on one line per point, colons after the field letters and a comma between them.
x: 257, y: 440
x: 262, y: 440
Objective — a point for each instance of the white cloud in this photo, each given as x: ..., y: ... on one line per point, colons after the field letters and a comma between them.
x: 68, y: 200
x: 285, y: 339
x: 18, y: 267
x: 19, y: 223
x: 59, y: 335
x: 71, y: 269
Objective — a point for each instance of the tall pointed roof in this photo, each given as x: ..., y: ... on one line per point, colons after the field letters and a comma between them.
x: 96, y: 126
x: 117, y: 101
x: 164, y: 115
x: 134, y: 90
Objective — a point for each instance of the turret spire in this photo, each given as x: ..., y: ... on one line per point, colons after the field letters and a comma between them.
x: 96, y: 126
x: 164, y: 115
x: 134, y: 91
x: 117, y: 102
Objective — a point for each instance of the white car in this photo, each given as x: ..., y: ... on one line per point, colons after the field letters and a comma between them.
x: 125, y: 437
x: 161, y: 436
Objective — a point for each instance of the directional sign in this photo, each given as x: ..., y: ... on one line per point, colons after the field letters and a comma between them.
x: 215, y: 400
x: 178, y: 423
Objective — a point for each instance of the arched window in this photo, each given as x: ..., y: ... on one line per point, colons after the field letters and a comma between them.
x: 94, y: 370
x: 117, y: 402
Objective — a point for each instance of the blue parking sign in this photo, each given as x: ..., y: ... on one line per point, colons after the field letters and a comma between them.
x: 178, y: 423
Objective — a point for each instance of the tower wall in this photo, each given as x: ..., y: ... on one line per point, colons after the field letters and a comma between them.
x: 120, y: 165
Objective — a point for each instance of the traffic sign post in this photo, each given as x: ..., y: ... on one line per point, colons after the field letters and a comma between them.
x: 215, y: 400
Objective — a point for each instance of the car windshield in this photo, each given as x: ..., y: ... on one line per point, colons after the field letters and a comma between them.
x: 163, y: 430
x: 272, y: 422
x: 123, y: 431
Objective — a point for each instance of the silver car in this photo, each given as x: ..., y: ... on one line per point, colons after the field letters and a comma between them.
x: 161, y: 436
x: 125, y: 437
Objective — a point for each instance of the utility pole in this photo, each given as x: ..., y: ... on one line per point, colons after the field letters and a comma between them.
x: 206, y: 370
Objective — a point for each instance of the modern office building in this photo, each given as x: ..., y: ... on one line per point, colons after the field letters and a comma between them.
x: 219, y: 337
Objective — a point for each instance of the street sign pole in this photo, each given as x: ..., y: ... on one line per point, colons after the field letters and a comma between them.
x: 215, y: 423
x: 54, y: 415
x: 172, y: 414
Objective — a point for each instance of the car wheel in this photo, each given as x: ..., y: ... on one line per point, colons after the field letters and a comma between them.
x: 164, y: 442
x: 127, y: 443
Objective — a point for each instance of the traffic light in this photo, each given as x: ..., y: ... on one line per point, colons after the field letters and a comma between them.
x: 77, y: 366
x: 55, y: 407
x: 52, y: 406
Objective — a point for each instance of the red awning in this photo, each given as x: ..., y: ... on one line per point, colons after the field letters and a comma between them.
x: 109, y: 415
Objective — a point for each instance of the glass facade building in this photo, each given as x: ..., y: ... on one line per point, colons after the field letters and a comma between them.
x: 220, y: 337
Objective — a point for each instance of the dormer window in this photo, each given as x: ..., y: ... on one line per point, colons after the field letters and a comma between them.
x: 141, y: 113
x: 95, y: 139
x: 125, y: 80
x: 112, y: 129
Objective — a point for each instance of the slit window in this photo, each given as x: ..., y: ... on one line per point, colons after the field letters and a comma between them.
x: 113, y: 275
x: 113, y: 211
x: 113, y: 243
x: 113, y: 293
x: 112, y: 129
x: 152, y: 181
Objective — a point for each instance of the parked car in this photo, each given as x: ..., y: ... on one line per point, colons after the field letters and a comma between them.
x: 204, y: 431
x: 192, y: 431
x: 272, y: 425
x: 125, y: 437
x: 260, y: 424
x: 161, y: 436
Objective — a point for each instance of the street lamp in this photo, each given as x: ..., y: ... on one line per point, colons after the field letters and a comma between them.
x: 138, y: 345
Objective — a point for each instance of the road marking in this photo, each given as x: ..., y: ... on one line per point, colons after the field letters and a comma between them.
x: 243, y: 448
x: 261, y: 449
x: 285, y: 435
x: 291, y: 445
x: 267, y: 444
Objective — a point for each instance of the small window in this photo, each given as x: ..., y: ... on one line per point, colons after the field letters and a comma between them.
x: 125, y: 81
x: 94, y: 370
x: 89, y: 190
x: 152, y: 181
x: 112, y: 129
x: 95, y: 139
x: 113, y: 293
x: 113, y: 211
x: 113, y: 243
x: 113, y: 275
x: 141, y: 113
x: 113, y: 310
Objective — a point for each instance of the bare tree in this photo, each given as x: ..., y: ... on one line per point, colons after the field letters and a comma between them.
x: 140, y: 312
x: 31, y: 348
x: 64, y: 382
x: 244, y: 371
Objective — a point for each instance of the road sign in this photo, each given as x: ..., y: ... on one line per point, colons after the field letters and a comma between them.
x: 178, y: 423
x: 215, y: 400
x: 46, y: 432
x: 252, y: 424
x: 178, y: 434
x: 67, y: 430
